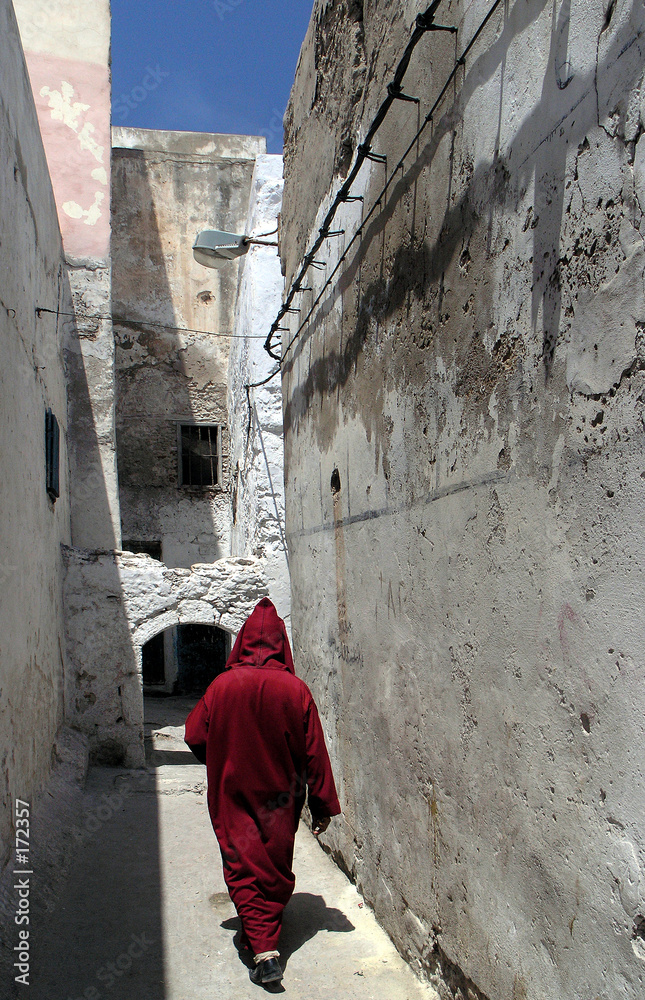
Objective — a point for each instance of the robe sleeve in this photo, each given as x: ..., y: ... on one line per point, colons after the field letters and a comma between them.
x: 197, y: 730
x: 323, y: 800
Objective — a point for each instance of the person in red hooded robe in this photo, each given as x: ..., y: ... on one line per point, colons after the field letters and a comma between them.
x: 258, y: 732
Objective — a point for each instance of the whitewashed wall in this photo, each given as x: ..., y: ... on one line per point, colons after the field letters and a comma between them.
x: 466, y: 486
x: 32, y: 275
x: 67, y: 48
x: 256, y: 457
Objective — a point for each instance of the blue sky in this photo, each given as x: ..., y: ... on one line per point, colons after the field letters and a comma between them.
x: 206, y: 65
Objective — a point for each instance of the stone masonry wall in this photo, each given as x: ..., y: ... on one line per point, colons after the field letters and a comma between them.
x: 464, y: 434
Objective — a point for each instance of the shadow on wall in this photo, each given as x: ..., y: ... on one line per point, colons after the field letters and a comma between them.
x: 60, y: 362
x: 102, y: 693
x: 172, y: 479
x: 537, y: 154
x: 171, y: 418
x: 103, y: 688
x: 104, y: 921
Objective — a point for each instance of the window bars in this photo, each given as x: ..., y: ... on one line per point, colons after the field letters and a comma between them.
x: 200, y: 455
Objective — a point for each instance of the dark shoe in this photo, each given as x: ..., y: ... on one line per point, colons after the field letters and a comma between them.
x: 267, y: 971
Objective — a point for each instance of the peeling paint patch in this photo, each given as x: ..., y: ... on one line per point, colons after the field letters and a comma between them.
x: 73, y: 101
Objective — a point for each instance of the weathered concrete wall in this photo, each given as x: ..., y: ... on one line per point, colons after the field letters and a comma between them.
x: 115, y: 603
x: 465, y: 487
x: 206, y: 144
x: 31, y: 380
x: 167, y: 187
x: 256, y: 450
x: 103, y: 693
x: 67, y: 47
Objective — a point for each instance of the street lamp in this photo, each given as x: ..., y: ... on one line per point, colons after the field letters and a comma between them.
x: 214, y: 248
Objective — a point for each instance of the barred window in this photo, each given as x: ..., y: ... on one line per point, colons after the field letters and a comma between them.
x: 200, y: 455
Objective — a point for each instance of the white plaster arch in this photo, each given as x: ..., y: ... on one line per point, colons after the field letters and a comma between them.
x: 156, y: 597
x: 170, y: 619
x: 115, y: 602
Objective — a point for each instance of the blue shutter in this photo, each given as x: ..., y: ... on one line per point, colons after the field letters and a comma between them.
x: 52, y: 453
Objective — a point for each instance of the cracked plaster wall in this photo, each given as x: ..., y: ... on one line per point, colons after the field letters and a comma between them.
x: 32, y: 272
x: 167, y: 187
x: 465, y: 485
x: 256, y: 423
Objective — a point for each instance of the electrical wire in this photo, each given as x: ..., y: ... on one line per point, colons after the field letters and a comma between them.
x: 258, y: 239
x: 423, y: 24
x: 144, y: 322
x: 377, y: 202
x: 256, y: 385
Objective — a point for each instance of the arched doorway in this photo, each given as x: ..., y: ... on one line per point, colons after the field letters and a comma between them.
x: 202, y: 652
x: 177, y: 665
x: 116, y: 602
x: 183, y: 659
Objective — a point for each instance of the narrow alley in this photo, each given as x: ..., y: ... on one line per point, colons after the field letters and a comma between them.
x: 373, y: 358
x: 145, y: 914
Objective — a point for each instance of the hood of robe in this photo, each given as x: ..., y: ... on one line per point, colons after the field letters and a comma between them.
x: 262, y: 641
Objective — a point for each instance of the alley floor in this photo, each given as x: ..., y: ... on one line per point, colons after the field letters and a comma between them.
x: 145, y: 914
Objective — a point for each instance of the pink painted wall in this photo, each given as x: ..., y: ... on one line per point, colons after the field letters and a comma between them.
x: 73, y: 102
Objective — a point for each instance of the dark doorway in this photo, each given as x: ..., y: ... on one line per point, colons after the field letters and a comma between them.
x: 153, y: 661
x: 184, y: 660
x: 202, y: 651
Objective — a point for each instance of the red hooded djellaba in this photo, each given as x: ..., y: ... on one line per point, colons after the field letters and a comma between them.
x: 258, y: 731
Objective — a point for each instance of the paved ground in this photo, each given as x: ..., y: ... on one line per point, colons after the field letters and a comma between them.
x: 145, y: 914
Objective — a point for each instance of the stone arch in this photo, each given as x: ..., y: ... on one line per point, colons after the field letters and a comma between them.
x: 155, y: 597
x: 222, y: 594
x: 169, y: 619
x: 116, y: 602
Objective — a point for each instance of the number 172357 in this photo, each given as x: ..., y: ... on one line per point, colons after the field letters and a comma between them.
x: 22, y: 823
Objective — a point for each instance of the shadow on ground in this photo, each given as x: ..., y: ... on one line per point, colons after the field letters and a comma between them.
x: 304, y: 916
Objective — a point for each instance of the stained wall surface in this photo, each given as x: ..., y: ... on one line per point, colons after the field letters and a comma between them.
x: 66, y: 49
x: 32, y: 527
x: 465, y: 492
x: 171, y: 321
